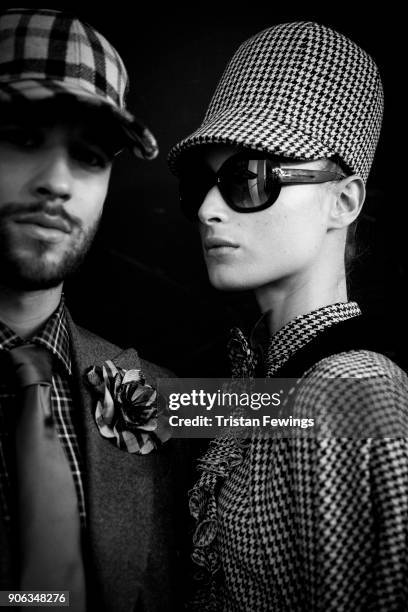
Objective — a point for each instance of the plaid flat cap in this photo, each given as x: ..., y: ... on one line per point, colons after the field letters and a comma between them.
x: 299, y: 90
x: 47, y: 52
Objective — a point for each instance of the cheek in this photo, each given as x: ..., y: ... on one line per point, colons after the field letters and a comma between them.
x: 88, y: 206
x: 287, y: 238
x: 12, y: 181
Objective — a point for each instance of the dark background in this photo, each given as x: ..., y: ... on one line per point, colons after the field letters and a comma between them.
x: 144, y: 283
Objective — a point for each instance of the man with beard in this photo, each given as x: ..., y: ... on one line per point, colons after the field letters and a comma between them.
x: 87, y: 473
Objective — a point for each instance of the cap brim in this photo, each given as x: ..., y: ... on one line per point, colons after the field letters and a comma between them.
x: 137, y: 136
x: 267, y: 134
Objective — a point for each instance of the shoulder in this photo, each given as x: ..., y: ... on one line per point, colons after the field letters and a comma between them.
x: 91, y: 348
x: 90, y: 338
x: 367, y: 387
x: 358, y: 364
x: 128, y: 358
x: 153, y: 370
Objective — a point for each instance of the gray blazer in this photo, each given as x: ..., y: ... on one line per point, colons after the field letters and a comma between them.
x: 136, y: 504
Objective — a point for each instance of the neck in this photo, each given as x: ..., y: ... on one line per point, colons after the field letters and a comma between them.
x: 25, y: 312
x: 285, y: 301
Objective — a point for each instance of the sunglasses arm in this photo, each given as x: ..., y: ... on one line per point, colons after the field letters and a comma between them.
x: 296, y: 175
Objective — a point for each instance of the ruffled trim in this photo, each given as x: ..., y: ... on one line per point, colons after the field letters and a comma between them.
x: 220, y: 460
x: 243, y: 358
x: 222, y: 457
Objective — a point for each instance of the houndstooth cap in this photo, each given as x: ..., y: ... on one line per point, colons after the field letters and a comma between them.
x: 47, y: 52
x: 300, y: 90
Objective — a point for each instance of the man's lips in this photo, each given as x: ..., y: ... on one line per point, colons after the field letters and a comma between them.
x: 44, y: 220
x: 215, y: 242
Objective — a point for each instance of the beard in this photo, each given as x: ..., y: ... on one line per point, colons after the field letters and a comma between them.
x: 38, y: 264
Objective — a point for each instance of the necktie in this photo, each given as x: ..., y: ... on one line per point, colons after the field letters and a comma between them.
x: 49, y: 518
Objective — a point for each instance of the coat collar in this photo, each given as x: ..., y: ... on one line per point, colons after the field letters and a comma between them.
x: 300, y: 331
x: 265, y: 355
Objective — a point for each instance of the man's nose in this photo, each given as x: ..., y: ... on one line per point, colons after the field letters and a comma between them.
x: 53, y: 179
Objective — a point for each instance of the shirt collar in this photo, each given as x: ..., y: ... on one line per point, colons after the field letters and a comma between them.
x: 53, y: 335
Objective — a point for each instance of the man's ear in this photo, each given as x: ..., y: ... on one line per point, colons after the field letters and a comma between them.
x: 349, y: 198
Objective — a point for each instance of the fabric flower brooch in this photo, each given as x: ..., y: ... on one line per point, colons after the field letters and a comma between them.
x: 129, y: 411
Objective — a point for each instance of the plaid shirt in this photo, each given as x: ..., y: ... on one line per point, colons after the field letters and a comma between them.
x: 54, y: 336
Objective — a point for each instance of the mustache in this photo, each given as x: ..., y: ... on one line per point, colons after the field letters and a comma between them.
x: 16, y: 209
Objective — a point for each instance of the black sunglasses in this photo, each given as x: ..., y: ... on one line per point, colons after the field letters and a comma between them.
x: 248, y: 182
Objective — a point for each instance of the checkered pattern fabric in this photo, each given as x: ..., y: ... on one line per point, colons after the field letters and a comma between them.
x: 299, y: 90
x: 54, y: 336
x: 302, y: 329
x: 45, y: 52
x: 309, y: 525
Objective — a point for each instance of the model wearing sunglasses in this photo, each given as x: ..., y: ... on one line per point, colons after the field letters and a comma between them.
x: 301, y: 524
x: 287, y: 242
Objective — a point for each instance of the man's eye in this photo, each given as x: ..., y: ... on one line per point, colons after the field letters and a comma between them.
x: 24, y: 138
x: 92, y: 157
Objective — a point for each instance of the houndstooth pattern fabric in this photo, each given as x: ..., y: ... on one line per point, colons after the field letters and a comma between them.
x: 299, y: 90
x: 275, y: 352
x: 44, y: 52
x: 302, y: 329
x: 312, y: 525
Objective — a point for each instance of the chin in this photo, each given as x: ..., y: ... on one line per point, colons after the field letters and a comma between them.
x: 32, y: 278
x: 228, y: 282
x: 225, y: 279
x: 46, y: 271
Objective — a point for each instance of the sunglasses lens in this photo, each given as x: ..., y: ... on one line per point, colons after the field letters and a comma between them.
x: 247, y: 183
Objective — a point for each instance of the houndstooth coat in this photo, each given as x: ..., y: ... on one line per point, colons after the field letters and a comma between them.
x: 310, y: 525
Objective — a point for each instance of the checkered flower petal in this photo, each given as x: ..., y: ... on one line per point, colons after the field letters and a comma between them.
x: 128, y: 411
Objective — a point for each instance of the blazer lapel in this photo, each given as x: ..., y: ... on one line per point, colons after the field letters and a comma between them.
x: 118, y: 492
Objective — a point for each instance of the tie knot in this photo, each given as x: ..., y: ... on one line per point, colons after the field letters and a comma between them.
x: 32, y: 364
